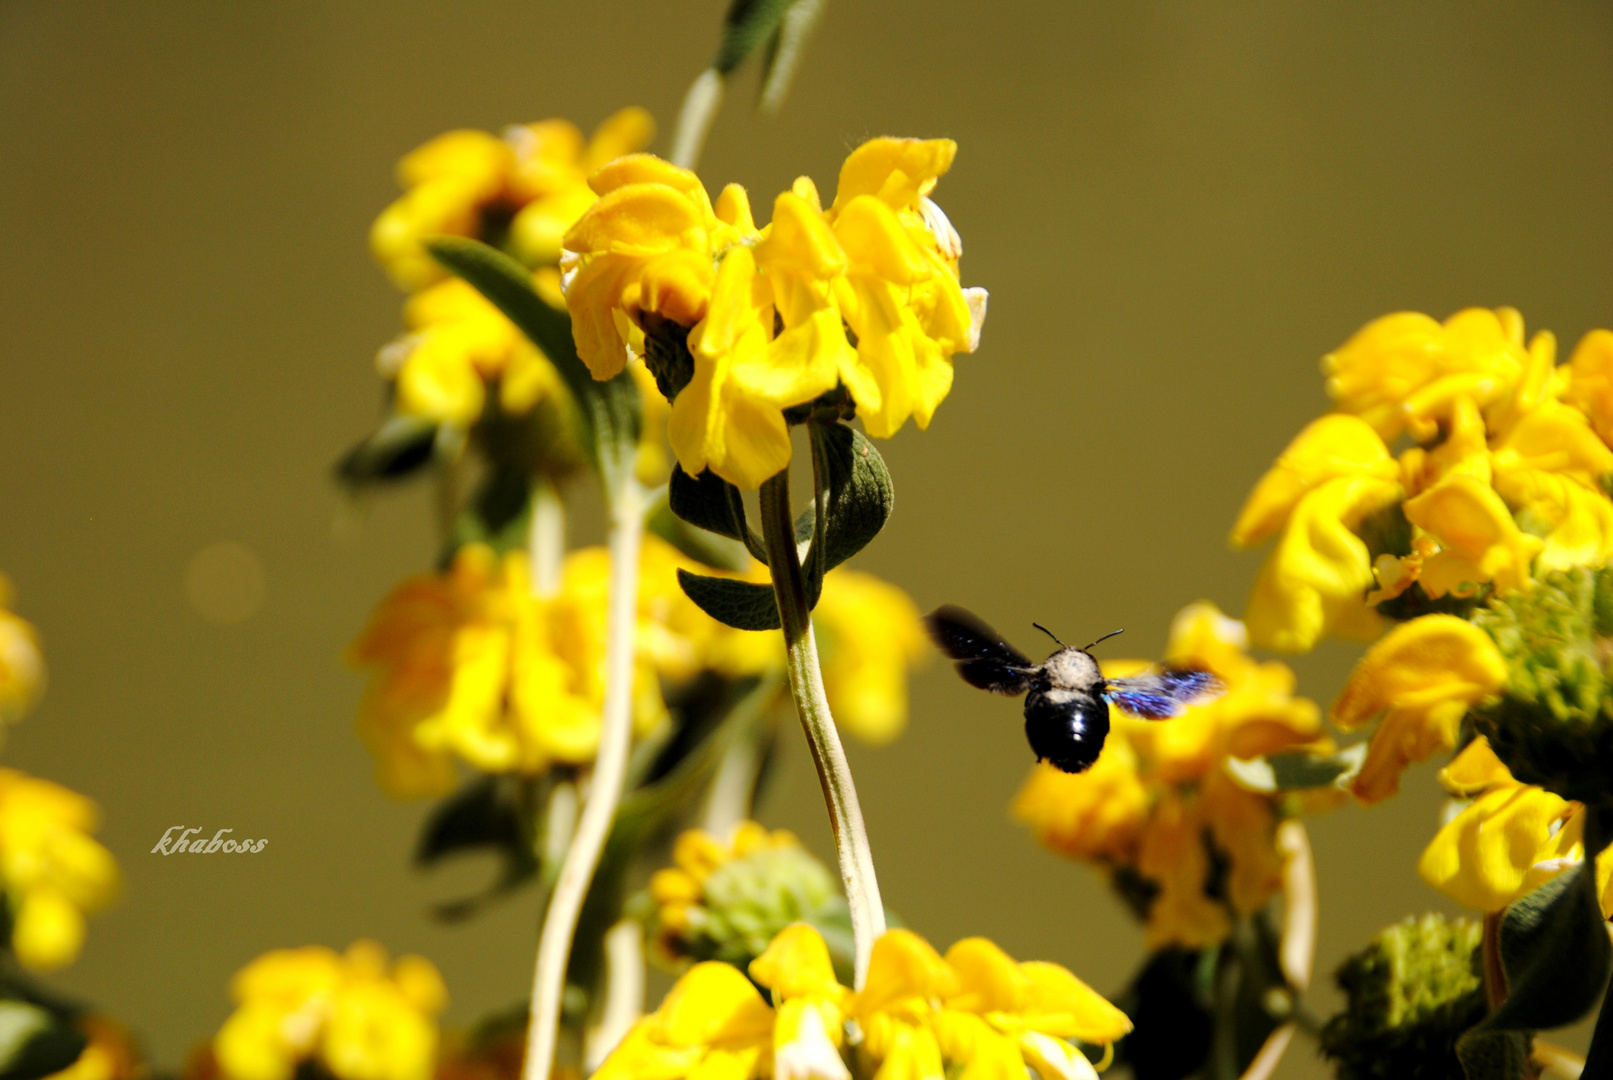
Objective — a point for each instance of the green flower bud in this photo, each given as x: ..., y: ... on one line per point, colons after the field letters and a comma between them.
x: 727, y: 901
x: 1411, y: 993
x: 1553, y: 726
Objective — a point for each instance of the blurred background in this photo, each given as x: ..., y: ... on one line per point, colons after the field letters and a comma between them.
x: 1177, y: 207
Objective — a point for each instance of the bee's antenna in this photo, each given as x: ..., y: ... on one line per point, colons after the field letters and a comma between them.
x: 1050, y: 634
x: 1105, y: 637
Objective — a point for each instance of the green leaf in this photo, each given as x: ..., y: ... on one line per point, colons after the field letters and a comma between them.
x: 609, y: 408
x: 859, y: 492
x: 748, y: 25
x: 490, y: 815
x: 397, y: 450
x: 1297, y: 771
x: 707, y: 502
x: 36, y: 1041
x: 1556, y: 953
x: 744, y: 605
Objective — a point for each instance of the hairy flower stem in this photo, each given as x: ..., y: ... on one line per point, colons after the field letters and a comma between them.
x: 828, y: 756
x: 699, y: 112
x: 604, y: 791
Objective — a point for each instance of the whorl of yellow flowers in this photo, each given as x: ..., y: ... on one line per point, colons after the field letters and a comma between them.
x: 1503, y: 476
x: 1498, y: 479
x: 863, y: 294
x: 352, y: 1013
x: 1160, y: 805
x: 530, y: 184
x: 470, y: 664
x: 919, y: 1016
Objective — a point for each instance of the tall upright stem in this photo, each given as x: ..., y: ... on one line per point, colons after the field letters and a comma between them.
x: 828, y: 756
x: 605, y: 790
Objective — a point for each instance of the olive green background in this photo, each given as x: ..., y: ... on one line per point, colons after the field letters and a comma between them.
x: 1177, y: 207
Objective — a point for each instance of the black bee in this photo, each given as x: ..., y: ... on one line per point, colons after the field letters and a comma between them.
x: 1067, y: 709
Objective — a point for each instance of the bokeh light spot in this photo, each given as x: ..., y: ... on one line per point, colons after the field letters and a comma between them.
x: 225, y: 583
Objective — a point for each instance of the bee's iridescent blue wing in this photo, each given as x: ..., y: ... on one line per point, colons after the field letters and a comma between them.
x: 1162, y: 694
x: 983, y: 658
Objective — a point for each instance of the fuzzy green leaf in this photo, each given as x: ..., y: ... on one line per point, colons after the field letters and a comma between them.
x: 1297, y: 771
x: 744, y: 605
x: 36, y: 1041
x: 707, y: 502
x: 860, y: 496
x: 748, y: 25
x: 609, y: 408
x: 397, y: 450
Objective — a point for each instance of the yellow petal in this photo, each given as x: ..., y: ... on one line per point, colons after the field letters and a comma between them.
x: 1334, y: 446
x: 796, y: 964
x: 897, y: 171
x: 1420, y: 678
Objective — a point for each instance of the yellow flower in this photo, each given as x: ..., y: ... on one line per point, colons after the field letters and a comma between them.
x: 52, y: 871
x: 897, y: 1007
x: 713, y: 1025
x: 728, y: 418
x: 1159, y: 802
x: 462, y: 182
x: 1478, y: 540
x: 22, y: 667
x: 900, y: 293
x: 470, y: 664
x: 1335, y: 473
x: 1419, y: 681
x: 646, y: 250
x: 765, y: 316
x: 1482, y: 857
x: 458, y: 345
x: 871, y: 635
x: 810, y: 1026
x: 1006, y: 1017
x: 1097, y: 815
x: 349, y: 1013
x: 1404, y: 372
x: 1590, y: 382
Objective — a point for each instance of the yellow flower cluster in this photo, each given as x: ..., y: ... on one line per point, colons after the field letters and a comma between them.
x: 348, y: 1012
x: 1159, y: 804
x: 1508, y: 839
x: 470, y: 664
x: 531, y: 185
x: 22, y: 667
x: 52, y: 871
x: 863, y: 294
x: 1502, y: 478
x: 456, y: 347
x: 920, y: 1016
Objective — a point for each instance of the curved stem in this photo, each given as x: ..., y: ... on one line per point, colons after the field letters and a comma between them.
x: 828, y: 756
x: 605, y: 791
x: 699, y: 112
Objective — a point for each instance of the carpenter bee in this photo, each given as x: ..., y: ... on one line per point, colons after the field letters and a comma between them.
x: 1067, y: 708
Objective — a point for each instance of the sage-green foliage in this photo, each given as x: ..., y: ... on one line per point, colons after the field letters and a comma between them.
x: 608, y: 409
x: 1411, y: 993
x: 1553, y: 726
x: 1556, y: 955
x: 851, y: 485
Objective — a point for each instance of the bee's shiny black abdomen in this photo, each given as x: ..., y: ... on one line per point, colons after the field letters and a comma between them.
x: 1066, y: 727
